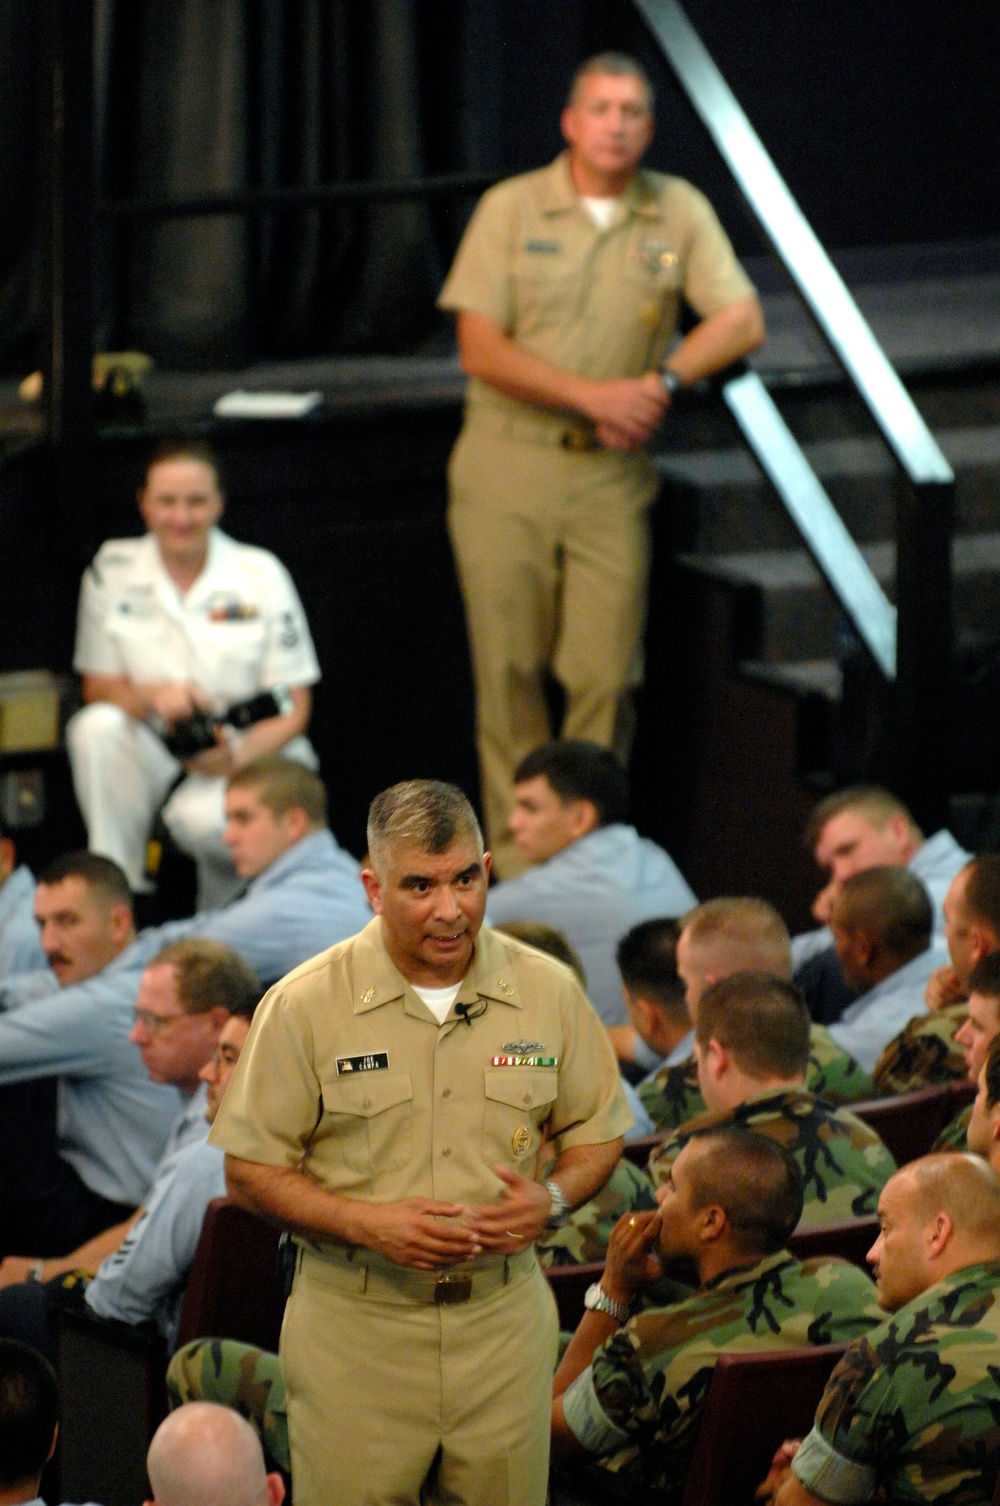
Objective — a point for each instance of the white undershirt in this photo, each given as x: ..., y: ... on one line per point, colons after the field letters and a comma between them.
x: 601, y: 211
x: 438, y: 1000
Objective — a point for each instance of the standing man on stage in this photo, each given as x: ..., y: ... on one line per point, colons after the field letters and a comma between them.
x: 418, y: 1104
x: 568, y: 286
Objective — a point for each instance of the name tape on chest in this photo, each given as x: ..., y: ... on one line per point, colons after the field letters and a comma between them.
x: 375, y: 1061
x: 524, y: 1061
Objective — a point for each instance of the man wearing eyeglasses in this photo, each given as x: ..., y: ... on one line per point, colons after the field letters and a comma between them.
x: 195, y: 1004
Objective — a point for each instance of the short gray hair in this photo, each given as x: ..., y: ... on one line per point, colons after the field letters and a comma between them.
x: 611, y: 65
x: 423, y: 813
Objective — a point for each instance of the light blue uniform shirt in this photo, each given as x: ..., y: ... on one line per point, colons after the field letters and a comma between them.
x: 868, y: 1025
x: 594, y: 891
x: 112, y: 1121
x: 307, y: 900
x: 935, y: 864
x: 20, y: 947
x: 146, y: 1276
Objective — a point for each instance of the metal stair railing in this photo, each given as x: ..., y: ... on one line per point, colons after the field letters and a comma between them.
x: 911, y: 643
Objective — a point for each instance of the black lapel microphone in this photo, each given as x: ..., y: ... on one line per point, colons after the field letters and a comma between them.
x: 470, y: 1012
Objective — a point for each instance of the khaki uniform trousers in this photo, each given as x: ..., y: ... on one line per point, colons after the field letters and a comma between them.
x: 552, y: 546
x: 394, y: 1401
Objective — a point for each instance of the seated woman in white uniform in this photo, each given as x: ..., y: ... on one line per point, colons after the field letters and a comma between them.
x: 182, y: 620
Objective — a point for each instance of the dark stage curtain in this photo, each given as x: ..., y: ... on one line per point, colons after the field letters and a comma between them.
x: 208, y: 96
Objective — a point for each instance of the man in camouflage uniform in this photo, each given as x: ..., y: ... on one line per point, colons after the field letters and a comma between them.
x: 240, y: 1376
x: 725, y: 936
x: 925, y: 1051
x: 975, y: 1035
x: 751, y: 1047
x: 913, y: 1408
x: 983, y: 1131
x: 630, y: 1388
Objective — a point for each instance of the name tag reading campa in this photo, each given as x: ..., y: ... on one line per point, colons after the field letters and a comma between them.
x: 378, y: 1061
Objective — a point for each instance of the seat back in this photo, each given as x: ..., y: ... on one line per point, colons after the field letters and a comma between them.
x: 638, y: 1150
x: 909, y: 1123
x: 233, y: 1291
x: 569, y: 1285
x: 851, y: 1240
x: 754, y: 1402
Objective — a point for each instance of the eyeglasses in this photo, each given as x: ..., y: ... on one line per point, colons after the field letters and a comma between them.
x: 156, y: 1023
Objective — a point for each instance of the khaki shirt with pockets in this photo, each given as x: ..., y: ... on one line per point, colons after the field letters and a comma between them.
x: 600, y: 303
x: 347, y: 1075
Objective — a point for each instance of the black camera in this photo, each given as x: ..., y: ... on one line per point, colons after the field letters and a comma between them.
x: 196, y: 733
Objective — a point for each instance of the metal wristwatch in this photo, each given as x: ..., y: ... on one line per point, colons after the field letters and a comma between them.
x: 559, y: 1212
x: 596, y: 1300
x: 670, y: 381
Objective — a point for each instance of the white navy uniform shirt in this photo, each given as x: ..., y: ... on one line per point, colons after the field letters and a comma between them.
x: 239, y: 630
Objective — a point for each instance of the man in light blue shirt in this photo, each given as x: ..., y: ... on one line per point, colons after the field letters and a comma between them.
x: 882, y: 921
x: 192, y: 1015
x: 146, y: 1276
x: 20, y: 946
x: 305, y: 892
x: 593, y: 877
x: 864, y: 826
x: 660, y: 1033
x: 77, y: 1156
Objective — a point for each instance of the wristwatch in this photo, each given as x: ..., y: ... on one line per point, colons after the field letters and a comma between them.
x: 670, y: 381
x: 596, y: 1300
x: 559, y: 1212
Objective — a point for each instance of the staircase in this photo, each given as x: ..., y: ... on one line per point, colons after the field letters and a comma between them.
x: 751, y: 602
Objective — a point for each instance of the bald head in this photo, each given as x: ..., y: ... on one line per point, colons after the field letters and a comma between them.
x: 965, y: 1188
x: 204, y: 1454
x: 938, y: 1215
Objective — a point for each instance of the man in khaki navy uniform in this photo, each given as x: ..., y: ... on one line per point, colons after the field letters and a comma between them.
x: 568, y: 285
x: 390, y: 1106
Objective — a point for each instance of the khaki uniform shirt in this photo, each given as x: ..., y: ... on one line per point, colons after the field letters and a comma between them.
x: 600, y: 303
x: 347, y: 1075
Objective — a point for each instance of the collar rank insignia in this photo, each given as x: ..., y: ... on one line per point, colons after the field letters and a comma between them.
x: 505, y: 988
x: 367, y: 996
x: 374, y: 1061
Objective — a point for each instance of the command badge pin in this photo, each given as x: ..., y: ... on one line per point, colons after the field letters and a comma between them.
x: 521, y: 1140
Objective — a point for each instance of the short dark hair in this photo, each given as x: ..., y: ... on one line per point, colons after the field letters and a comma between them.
x: 176, y: 447
x: 647, y: 961
x: 872, y: 801
x: 985, y: 977
x: 762, y: 1019
x: 982, y: 889
x: 97, y: 872
x: 209, y: 974
x: 29, y: 1410
x: 282, y: 784
x: 890, y: 903
x: 993, y: 1072
x: 580, y: 771
x: 545, y: 939
x: 754, y: 1180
